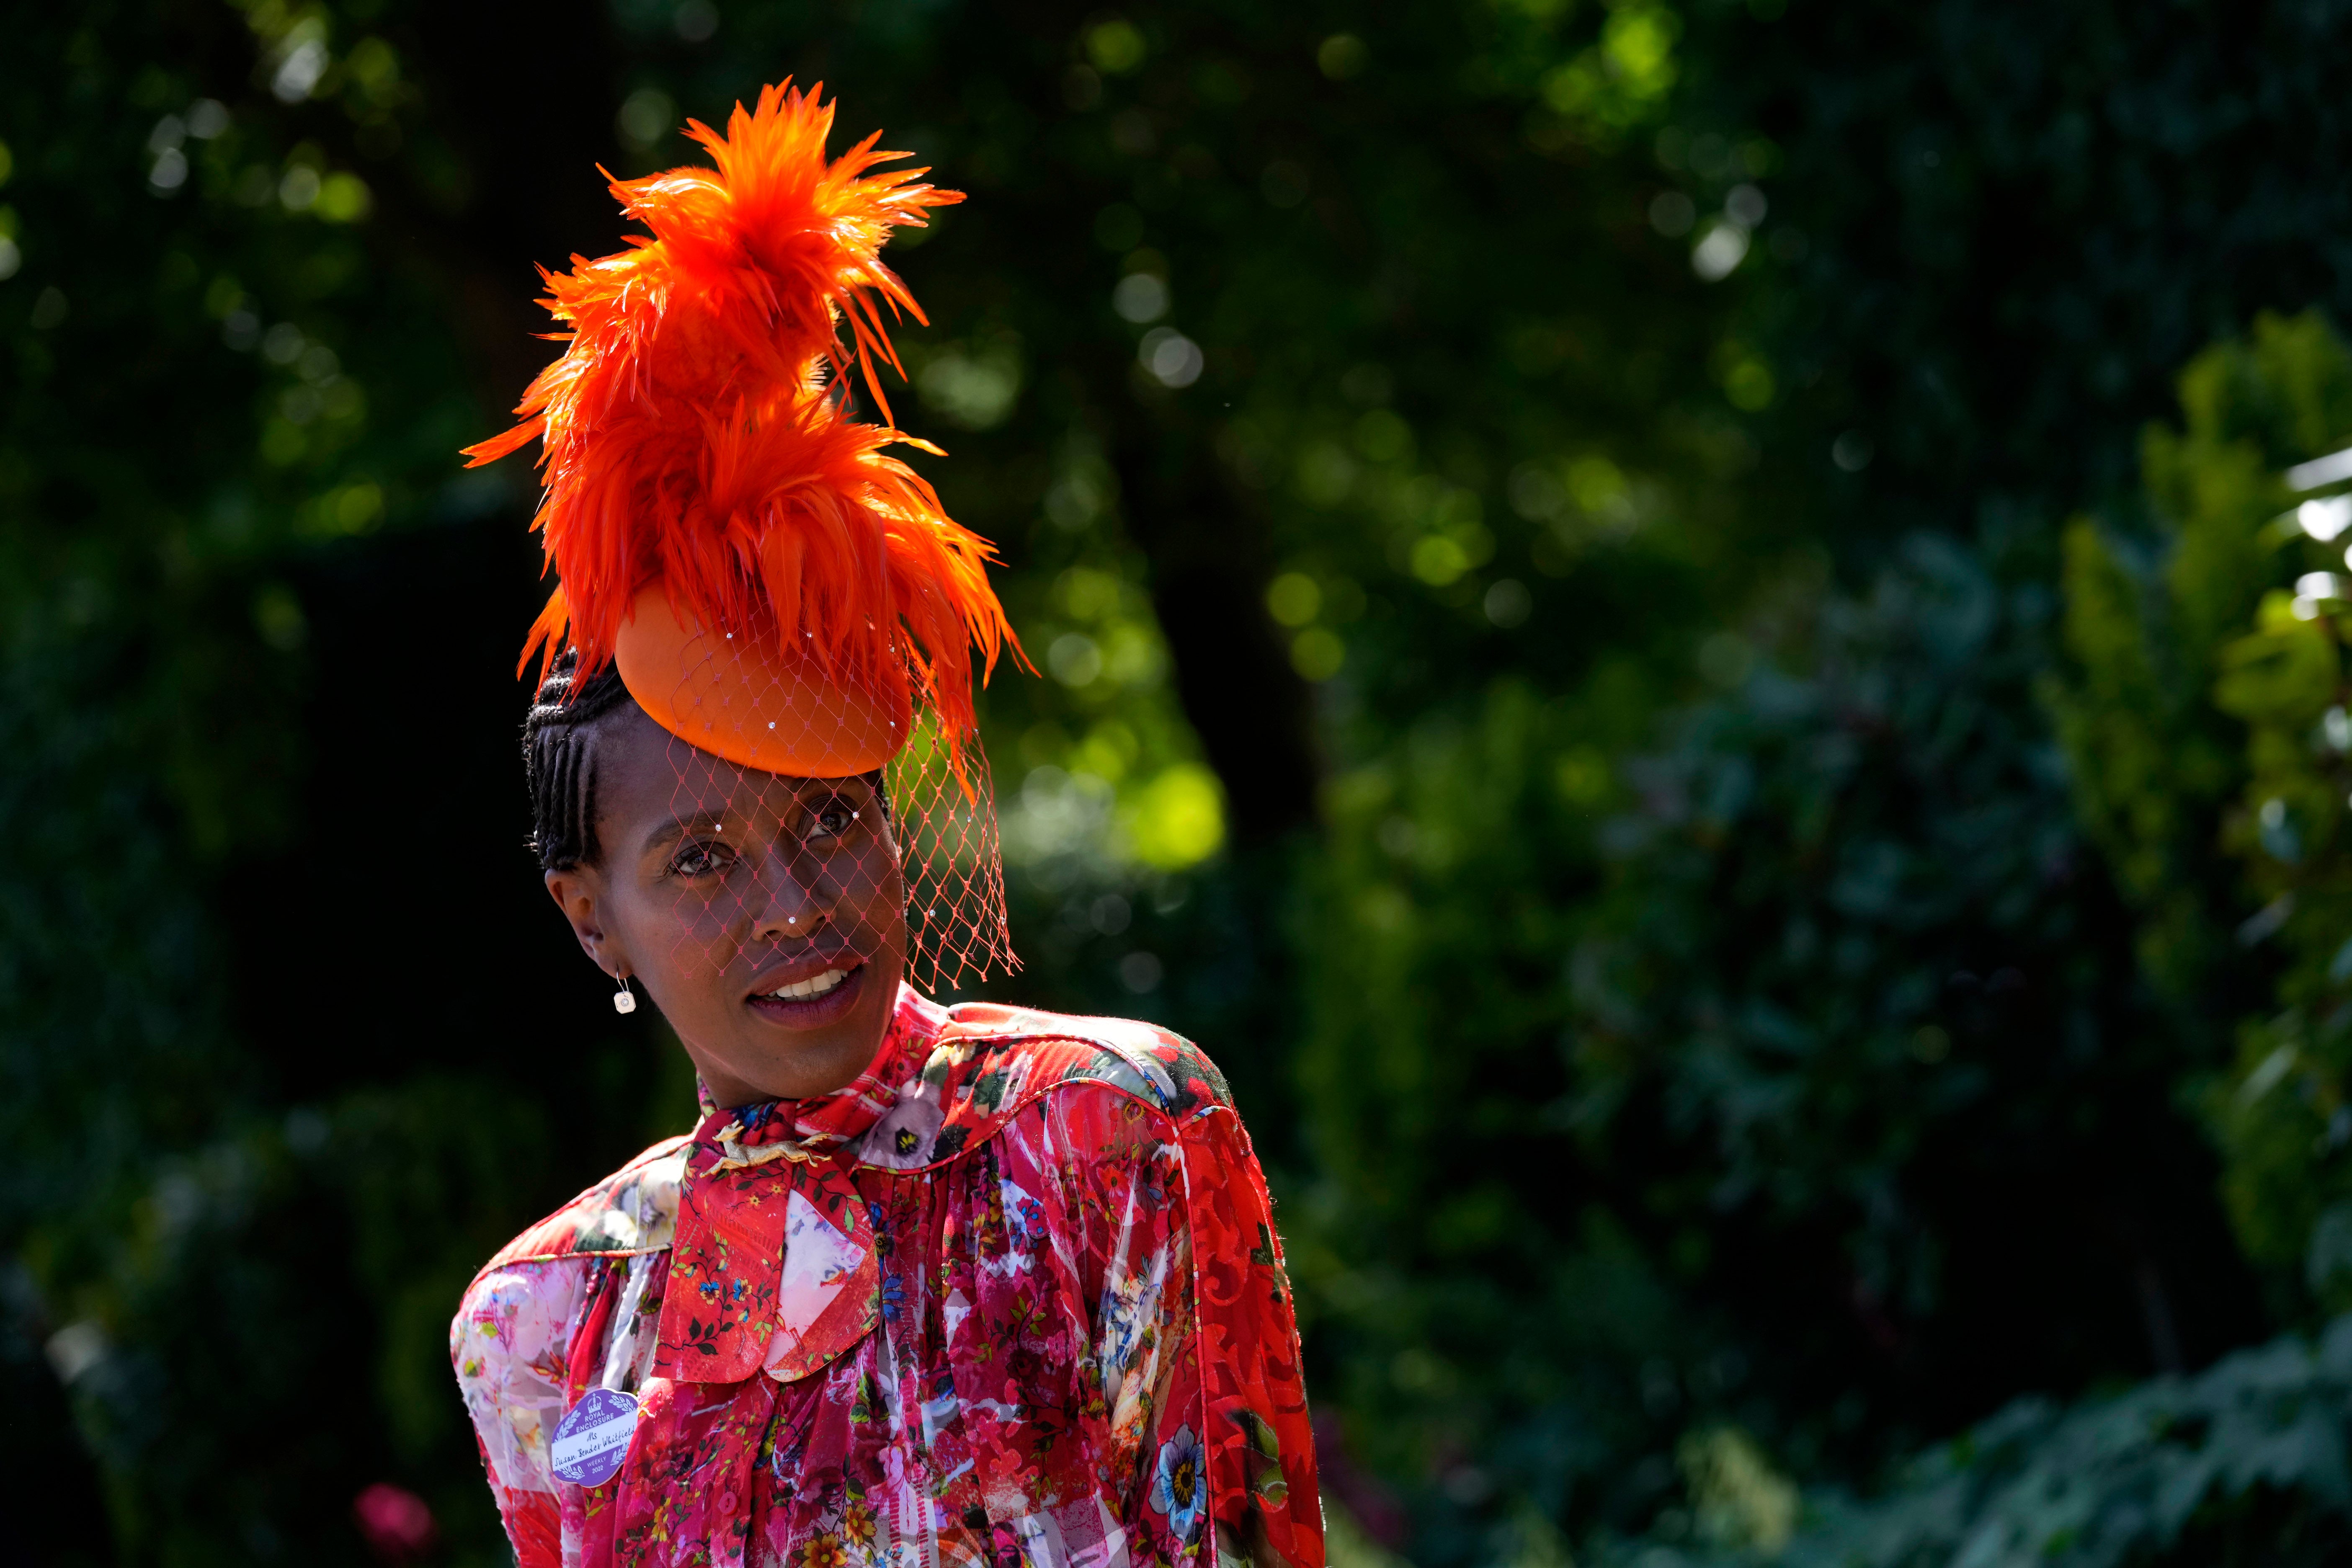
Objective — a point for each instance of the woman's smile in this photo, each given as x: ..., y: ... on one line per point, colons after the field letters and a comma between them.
x: 798, y: 1000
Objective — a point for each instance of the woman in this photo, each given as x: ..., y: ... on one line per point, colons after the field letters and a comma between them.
x: 925, y: 1284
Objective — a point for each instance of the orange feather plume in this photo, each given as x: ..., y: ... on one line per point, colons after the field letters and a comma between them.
x: 697, y: 431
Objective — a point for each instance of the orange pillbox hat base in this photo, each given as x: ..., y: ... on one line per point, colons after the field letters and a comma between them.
x: 743, y: 698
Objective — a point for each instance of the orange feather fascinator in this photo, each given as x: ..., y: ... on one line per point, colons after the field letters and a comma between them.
x: 717, y: 520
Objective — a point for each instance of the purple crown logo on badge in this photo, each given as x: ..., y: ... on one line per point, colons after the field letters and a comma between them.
x: 592, y: 1438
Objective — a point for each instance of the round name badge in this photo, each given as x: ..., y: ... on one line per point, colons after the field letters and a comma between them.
x: 592, y: 1438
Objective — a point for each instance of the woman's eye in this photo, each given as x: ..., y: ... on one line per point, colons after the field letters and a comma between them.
x: 834, y: 820
x: 699, y: 860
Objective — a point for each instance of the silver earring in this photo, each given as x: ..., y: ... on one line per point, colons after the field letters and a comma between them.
x: 624, y: 1000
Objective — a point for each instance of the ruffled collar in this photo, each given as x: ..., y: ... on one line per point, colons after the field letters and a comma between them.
x: 798, y: 1130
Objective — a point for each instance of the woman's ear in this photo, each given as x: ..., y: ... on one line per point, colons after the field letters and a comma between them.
x: 579, y: 893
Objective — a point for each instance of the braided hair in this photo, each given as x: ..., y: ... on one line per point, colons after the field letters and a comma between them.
x: 559, y: 760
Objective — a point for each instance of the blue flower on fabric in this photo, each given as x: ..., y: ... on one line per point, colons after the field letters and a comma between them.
x: 1179, y: 1490
x: 1024, y: 1219
x: 894, y: 1295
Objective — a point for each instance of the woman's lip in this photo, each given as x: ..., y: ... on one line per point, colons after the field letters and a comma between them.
x: 802, y: 969
x: 813, y: 1012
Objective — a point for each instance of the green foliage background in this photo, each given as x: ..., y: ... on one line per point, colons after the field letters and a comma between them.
x: 1665, y: 624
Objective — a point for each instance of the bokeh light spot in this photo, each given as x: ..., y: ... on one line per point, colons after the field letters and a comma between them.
x: 1318, y: 654
x: 1341, y: 56
x: 1177, y: 819
x: 1293, y: 598
x: 1115, y: 47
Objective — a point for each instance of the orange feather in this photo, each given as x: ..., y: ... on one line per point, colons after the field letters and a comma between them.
x: 695, y: 428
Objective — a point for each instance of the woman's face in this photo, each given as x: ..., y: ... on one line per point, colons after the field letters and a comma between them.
x: 765, y: 915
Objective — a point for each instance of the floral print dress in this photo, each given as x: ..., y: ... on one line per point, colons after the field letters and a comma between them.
x: 1013, y: 1297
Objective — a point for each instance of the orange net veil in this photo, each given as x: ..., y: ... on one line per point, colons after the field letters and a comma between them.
x: 780, y: 593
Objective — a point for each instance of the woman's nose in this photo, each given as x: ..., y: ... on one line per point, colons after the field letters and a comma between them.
x: 784, y: 904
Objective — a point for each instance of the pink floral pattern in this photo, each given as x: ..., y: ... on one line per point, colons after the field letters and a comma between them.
x: 1013, y: 1296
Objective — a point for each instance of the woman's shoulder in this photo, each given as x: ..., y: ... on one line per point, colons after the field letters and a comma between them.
x: 990, y: 1063
x: 512, y: 1333
x: 630, y: 1212
x: 1028, y: 1048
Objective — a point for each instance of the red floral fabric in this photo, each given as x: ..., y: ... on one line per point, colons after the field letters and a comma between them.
x: 1013, y: 1296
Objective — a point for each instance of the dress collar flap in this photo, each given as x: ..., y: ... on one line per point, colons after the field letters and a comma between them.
x: 773, y: 1267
